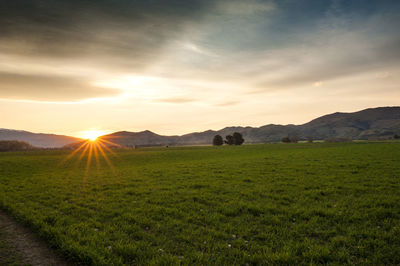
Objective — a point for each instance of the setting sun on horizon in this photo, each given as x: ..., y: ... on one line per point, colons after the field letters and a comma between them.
x: 92, y: 135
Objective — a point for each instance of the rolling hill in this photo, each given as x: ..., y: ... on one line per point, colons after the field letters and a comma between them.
x: 373, y: 123
x: 37, y: 139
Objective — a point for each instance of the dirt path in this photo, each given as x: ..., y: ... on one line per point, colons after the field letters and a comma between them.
x: 22, y: 247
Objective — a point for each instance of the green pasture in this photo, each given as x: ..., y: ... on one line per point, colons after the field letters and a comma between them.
x: 318, y: 203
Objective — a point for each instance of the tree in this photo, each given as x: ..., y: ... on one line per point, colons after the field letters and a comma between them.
x: 286, y: 139
x: 229, y: 140
x: 14, y: 145
x: 218, y: 141
x: 396, y: 136
x: 310, y: 139
x: 237, y: 138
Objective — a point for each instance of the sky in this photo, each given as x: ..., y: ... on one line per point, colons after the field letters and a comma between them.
x: 175, y: 67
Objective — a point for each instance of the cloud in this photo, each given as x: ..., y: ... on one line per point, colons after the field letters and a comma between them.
x: 109, y: 36
x: 333, y: 56
x: 138, y: 30
x: 318, y: 84
x: 49, y: 88
x: 227, y: 103
x: 188, y: 60
x: 176, y: 100
x: 197, y: 49
x: 216, y: 47
x: 249, y: 7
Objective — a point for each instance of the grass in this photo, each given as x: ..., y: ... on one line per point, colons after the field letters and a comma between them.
x: 8, y: 255
x: 321, y: 203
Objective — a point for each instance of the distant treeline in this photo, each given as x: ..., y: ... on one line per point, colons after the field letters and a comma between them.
x: 15, y: 145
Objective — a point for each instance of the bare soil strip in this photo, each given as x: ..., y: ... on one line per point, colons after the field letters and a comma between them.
x: 30, y: 249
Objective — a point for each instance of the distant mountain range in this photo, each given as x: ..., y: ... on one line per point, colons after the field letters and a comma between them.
x: 37, y: 139
x: 373, y: 123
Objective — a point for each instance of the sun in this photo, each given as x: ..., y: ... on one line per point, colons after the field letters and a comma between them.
x: 92, y: 135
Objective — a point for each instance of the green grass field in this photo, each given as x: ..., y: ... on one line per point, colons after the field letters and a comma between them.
x: 254, y: 204
x: 8, y: 256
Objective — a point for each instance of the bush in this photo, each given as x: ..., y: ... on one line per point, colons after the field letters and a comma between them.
x: 218, y: 141
x: 235, y: 139
x: 288, y: 139
x: 238, y: 138
x: 14, y: 145
x: 229, y: 140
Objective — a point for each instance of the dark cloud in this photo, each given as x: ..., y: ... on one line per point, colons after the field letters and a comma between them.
x: 110, y: 35
x: 140, y: 30
x: 49, y: 88
x: 56, y: 28
x: 129, y: 36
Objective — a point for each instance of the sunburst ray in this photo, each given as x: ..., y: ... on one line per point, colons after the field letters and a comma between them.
x: 93, y: 150
x: 89, y: 159
x: 74, y: 152
x: 96, y: 155
x: 106, y: 158
x: 104, y: 145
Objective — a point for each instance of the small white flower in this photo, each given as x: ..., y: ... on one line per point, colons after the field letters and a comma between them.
x: 229, y: 245
x: 109, y: 247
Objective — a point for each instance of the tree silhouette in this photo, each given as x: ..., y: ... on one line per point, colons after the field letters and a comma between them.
x: 238, y: 138
x: 218, y: 141
x: 229, y: 140
x: 15, y: 145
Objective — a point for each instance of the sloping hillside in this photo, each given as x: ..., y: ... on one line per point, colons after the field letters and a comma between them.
x: 37, y: 139
x: 374, y: 123
x: 381, y: 122
x: 143, y: 138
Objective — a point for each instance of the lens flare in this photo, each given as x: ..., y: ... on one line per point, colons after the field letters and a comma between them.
x: 92, y: 135
x: 93, y: 147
